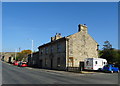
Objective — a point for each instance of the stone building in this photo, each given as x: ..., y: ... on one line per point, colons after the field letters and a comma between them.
x: 8, y: 56
x: 70, y: 51
x: 33, y: 60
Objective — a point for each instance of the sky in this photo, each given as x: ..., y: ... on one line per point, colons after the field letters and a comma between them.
x: 23, y: 22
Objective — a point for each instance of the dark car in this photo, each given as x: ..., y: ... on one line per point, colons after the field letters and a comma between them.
x: 110, y: 68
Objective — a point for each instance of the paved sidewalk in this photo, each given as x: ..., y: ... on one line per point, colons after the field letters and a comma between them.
x: 63, y: 72
x: 60, y: 72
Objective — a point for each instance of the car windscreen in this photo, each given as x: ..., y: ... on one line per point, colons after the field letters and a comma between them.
x: 106, y: 65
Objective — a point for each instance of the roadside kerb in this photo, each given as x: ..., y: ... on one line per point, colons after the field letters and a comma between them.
x: 61, y: 72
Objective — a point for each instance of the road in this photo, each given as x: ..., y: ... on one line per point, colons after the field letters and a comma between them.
x: 19, y: 75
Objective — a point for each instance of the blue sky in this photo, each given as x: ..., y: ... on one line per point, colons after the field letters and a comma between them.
x: 26, y: 21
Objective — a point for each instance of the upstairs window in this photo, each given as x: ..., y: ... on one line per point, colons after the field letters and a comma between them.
x: 51, y: 49
x: 45, y: 62
x: 59, y: 47
x: 41, y: 51
x: 46, y: 50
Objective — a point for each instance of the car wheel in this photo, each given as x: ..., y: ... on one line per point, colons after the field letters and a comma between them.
x: 111, y: 71
x: 99, y: 69
x: 118, y: 71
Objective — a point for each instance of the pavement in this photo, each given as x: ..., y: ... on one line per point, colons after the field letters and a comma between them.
x: 25, y: 75
x: 57, y: 71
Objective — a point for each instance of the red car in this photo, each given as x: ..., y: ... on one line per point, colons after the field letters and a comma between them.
x: 16, y: 63
x: 22, y: 64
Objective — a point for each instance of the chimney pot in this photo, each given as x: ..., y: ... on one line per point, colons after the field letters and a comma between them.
x: 82, y: 27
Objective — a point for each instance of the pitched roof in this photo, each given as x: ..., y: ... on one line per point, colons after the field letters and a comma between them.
x: 61, y: 39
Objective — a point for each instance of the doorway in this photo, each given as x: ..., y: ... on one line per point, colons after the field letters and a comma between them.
x: 40, y: 64
x: 81, y: 66
x: 51, y: 63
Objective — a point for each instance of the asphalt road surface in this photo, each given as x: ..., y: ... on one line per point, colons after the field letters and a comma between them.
x: 19, y: 75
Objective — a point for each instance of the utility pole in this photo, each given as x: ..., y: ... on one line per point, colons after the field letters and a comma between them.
x: 19, y: 49
x: 32, y: 49
x: 15, y: 53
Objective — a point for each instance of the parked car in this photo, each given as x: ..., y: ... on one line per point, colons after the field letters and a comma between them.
x: 16, y: 63
x: 110, y: 68
x: 117, y: 65
x: 22, y: 64
x: 19, y: 64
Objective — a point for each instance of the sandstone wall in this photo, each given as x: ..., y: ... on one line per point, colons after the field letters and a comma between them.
x: 52, y: 55
x: 80, y: 46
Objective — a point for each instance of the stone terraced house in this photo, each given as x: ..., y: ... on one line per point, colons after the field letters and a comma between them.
x: 33, y: 60
x: 70, y: 51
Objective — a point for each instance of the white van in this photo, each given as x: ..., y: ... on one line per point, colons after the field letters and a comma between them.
x: 94, y: 63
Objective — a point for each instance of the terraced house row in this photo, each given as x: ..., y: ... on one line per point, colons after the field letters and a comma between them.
x: 62, y: 52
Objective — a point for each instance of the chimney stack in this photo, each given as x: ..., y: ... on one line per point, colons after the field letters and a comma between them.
x: 57, y: 36
x: 82, y: 28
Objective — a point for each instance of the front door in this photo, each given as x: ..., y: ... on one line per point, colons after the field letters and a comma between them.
x: 81, y: 66
x: 51, y: 63
x: 40, y: 64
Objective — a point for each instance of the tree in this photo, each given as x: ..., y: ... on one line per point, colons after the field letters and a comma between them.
x: 23, y: 55
x: 109, y: 53
x: 107, y: 45
x: 118, y: 58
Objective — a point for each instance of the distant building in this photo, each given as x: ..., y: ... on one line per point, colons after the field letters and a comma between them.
x: 2, y: 57
x: 70, y: 51
x: 8, y: 56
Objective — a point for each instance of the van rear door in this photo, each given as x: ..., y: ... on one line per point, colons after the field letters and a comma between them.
x: 88, y: 64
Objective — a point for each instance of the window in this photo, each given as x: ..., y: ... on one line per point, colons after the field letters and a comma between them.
x: 87, y: 62
x: 51, y: 49
x: 45, y: 62
x: 70, y: 62
x: 106, y: 65
x: 41, y: 52
x: 46, y: 50
x: 58, y: 47
x: 95, y: 62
